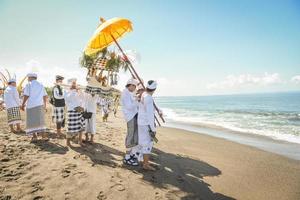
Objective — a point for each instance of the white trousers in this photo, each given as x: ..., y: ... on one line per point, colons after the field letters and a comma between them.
x: 90, y: 124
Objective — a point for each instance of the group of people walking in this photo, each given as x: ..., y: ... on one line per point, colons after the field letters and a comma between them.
x: 65, y: 101
x: 76, y: 109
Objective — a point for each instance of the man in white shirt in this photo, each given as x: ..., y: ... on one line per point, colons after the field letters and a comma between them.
x: 58, y: 102
x: 12, y: 102
x: 75, y: 106
x: 130, y: 111
x: 146, y: 123
x: 35, y: 99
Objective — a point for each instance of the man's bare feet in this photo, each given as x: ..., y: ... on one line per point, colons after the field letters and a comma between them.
x: 148, y: 167
x: 21, y: 131
x: 34, y: 139
x: 45, y: 137
x: 81, y: 144
x: 12, y: 130
x: 60, y: 135
x: 69, y: 144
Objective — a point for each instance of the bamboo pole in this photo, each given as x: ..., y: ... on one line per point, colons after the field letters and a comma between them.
x: 137, y: 76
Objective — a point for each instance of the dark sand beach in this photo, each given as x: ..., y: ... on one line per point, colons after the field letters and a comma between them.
x: 189, y: 166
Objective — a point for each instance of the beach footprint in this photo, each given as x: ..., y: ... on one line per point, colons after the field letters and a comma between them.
x: 117, y: 183
x: 157, y: 196
x: 66, y: 171
x: 36, y: 187
x: 101, y: 196
x: 173, y: 194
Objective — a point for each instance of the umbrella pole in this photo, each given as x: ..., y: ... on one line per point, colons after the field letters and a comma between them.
x: 135, y: 73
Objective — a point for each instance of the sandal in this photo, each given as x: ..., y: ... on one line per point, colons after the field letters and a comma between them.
x: 131, y: 162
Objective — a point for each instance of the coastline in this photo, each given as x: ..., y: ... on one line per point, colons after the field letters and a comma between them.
x: 251, y: 173
x: 189, y: 166
x: 267, y: 143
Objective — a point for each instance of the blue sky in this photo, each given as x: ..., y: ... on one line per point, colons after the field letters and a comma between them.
x: 190, y: 47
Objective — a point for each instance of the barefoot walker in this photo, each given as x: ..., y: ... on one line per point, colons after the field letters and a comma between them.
x: 12, y: 102
x: 90, y: 118
x: 146, y: 124
x: 36, y: 97
x: 74, y: 101
x: 58, y: 102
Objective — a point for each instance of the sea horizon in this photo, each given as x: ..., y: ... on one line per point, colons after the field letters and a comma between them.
x: 231, y: 94
x: 240, y: 118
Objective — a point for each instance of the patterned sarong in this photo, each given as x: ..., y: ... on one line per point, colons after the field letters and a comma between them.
x: 76, y: 123
x: 13, y: 115
x: 58, y: 114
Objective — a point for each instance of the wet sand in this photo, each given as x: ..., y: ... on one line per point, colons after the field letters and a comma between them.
x: 189, y: 166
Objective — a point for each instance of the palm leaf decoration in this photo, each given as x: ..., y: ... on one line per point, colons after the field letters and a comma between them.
x: 125, y: 66
x: 87, y: 61
x: 114, y: 62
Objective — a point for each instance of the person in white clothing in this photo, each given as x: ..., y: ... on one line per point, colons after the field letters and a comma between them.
x: 146, y: 123
x: 12, y: 103
x: 75, y: 105
x: 130, y: 112
x: 90, y: 123
x: 35, y: 98
x: 58, y: 102
x: 105, y: 108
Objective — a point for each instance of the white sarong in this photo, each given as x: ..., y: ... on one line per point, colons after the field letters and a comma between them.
x: 35, y: 120
x: 90, y: 124
x: 145, y: 140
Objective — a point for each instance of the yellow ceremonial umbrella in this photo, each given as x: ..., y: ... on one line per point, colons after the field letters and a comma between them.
x: 107, y: 33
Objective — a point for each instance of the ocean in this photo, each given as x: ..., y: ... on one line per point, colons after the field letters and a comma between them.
x: 273, y: 115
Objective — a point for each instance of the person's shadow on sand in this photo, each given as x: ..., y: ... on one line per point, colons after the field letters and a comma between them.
x: 181, y: 172
x: 100, y: 154
x: 53, y: 148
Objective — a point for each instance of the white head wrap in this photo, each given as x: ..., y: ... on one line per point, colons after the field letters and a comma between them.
x: 31, y: 74
x: 71, y: 80
x: 151, y: 86
x: 132, y: 82
x: 12, y: 80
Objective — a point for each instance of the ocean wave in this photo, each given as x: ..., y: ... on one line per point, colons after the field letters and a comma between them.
x: 274, y: 127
